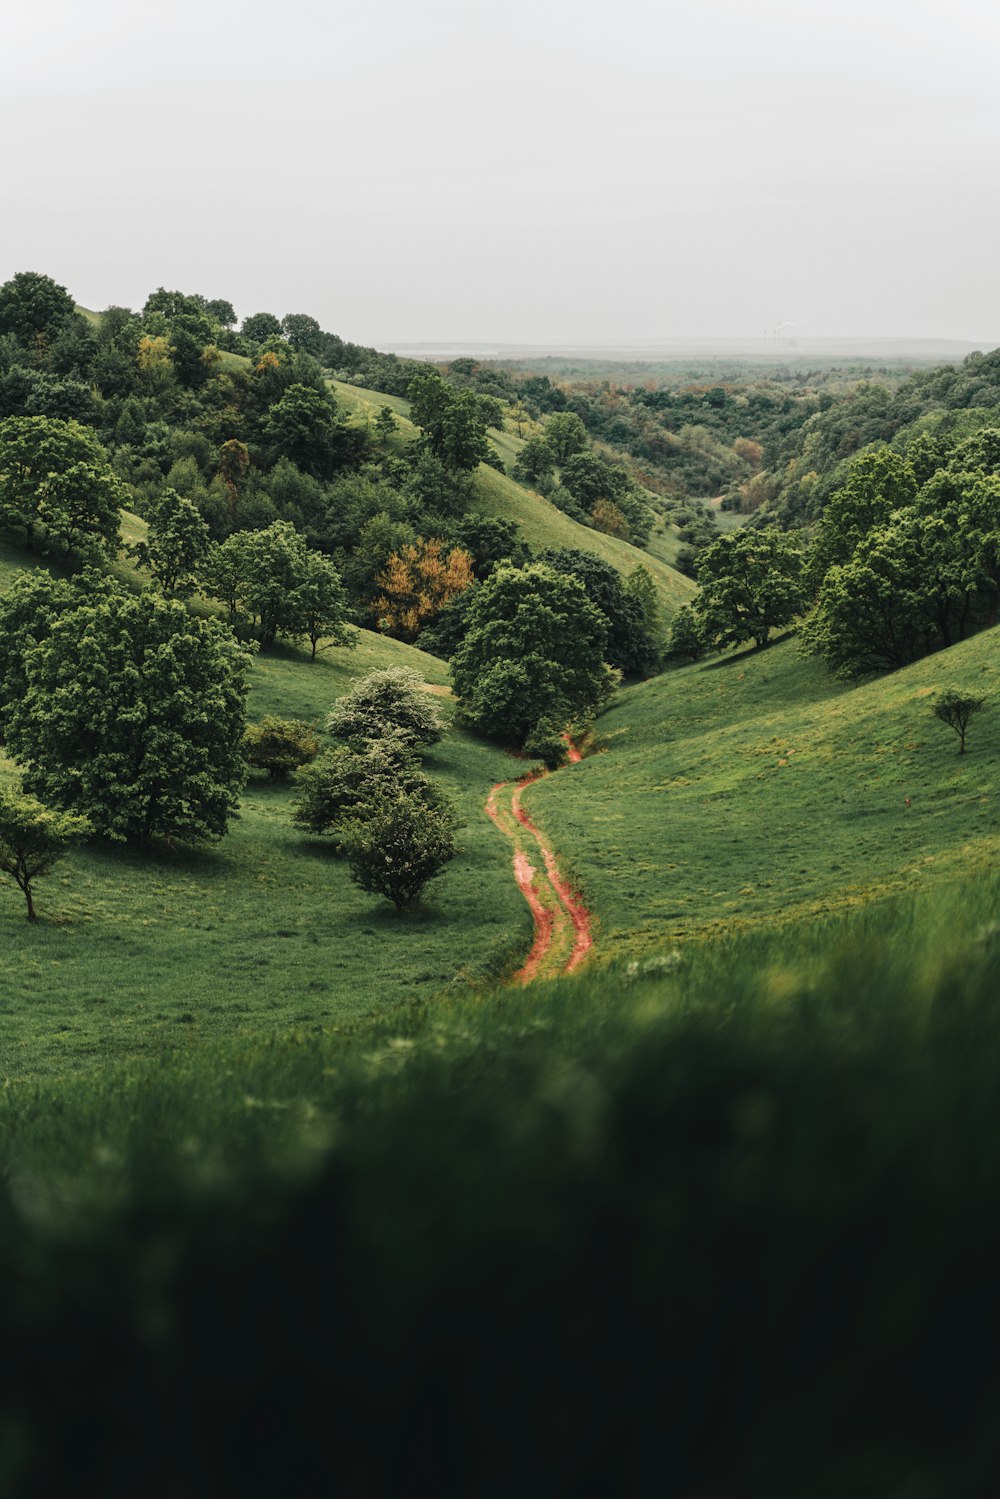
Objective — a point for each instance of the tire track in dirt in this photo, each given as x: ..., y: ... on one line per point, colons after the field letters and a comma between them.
x: 563, y: 934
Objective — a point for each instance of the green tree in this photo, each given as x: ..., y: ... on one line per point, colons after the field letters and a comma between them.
x: 399, y: 846
x: 878, y: 484
x: 279, y: 746
x: 319, y: 603
x: 133, y: 715
x: 956, y: 709
x: 33, y: 306
x: 302, y: 332
x: 345, y: 783
x: 927, y: 579
x: 687, y: 642
x: 565, y: 435
x: 33, y: 838
x: 393, y: 702
x: 385, y: 423
x: 28, y: 607
x: 260, y: 326
x: 750, y: 583
x: 533, y: 651
x: 535, y: 462
x: 450, y: 420
x: 631, y: 643
x: 57, y: 487
x: 177, y: 544
x: 304, y: 427
x: 273, y: 584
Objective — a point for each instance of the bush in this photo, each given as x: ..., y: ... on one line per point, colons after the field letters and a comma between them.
x: 387, y: 702
x: 344, y: 784
x: 399, y: 846
x: 279, y: 746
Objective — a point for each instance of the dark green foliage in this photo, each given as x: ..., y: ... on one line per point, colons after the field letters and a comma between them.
x: 133, y: 715
x: 489, y: 540
x: 393, y: 703
x: 750, y: 583
x: 274, y: 585
x: 451, y: 421
x: 260, y: 326
x: 177, y: 544
x: 385, y: 423
x: 303, y: 427
x: 33, y: 838
x: 533, y: 651
x: 345, y: 783
x: 979, y: 453
x: 547, y: 743
x: 56, y: 486
x: 878, y: 484
x: 28, y: 608
x: 399, y: 846
x: 687, y: 640
x: 632, y: 642
x: 956, y: 709
x: 303, y: 333
x: 33, y: 306
x: 928, y: 578
x: 534, y: 462
x: 279, y: 746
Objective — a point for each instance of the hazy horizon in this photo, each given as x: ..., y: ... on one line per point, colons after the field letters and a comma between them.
x: 548, y: 174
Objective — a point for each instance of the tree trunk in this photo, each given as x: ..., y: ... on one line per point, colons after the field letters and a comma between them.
x: 31, y: 904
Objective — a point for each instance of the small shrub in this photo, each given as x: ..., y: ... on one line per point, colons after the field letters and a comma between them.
x: 344, y: 784
x: 399, y: 847
x: 387, y: 702
x: 279, y: 746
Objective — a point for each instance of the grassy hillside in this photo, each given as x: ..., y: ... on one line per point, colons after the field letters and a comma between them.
x: 756, y: 788
x: 144, y: 951
x: 543, y: 524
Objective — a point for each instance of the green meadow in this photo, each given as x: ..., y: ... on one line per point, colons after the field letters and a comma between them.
x: 755, y: 788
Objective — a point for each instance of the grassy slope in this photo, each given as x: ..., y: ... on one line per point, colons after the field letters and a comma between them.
x: 542, y: 523
x: 140, y: 951
x: 757, y: 789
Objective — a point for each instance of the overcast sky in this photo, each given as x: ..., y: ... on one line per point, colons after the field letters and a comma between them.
x: 552, y: 171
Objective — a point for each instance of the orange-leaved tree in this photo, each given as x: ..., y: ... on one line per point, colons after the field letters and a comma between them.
x: 416, y: 583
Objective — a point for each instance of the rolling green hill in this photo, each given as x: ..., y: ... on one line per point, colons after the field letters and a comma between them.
x: 543, y: 524
x: 755, y: 788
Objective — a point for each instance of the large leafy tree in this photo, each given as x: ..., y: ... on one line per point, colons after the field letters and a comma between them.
x: 57, y: 487
x: 750, y: 583
x: 275, y: 585
x: 133, y: 716
x: 303, y: 426
x: 32, y: 305
x: 260, y: 326
x: 450, y: 420
x: 533, y: 652
x: 565, y: 435
x: 632, y: 644
x: 177, y: 543
x: 878, y: 484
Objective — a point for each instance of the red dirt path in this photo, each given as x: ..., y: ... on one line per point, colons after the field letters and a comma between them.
x: 549, y: 915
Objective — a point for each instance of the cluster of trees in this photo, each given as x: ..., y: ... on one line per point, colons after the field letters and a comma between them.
x: 904, y: 561
x: 561, y: 464
x: 370, y: 795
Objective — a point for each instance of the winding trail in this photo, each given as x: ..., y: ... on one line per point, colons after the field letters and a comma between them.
x: 562, y: 922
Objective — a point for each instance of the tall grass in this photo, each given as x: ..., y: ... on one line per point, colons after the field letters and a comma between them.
x: 711, y: 1225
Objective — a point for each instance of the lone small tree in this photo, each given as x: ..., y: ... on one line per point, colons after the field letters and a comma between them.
x: 33, y: 838
x: 399, y: 847
x: 956, y: 709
